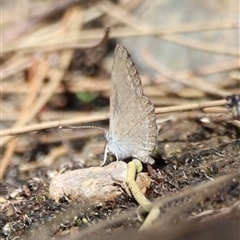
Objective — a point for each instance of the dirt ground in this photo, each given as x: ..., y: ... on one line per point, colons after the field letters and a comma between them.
x: 199, y: 154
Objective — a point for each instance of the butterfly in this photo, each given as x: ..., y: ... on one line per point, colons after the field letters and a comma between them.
x: 132, y: 125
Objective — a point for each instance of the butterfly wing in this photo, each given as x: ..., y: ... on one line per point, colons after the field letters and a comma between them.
x: 133, y: 129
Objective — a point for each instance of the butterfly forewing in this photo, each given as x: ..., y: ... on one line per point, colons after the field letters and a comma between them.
x: 125, y: 83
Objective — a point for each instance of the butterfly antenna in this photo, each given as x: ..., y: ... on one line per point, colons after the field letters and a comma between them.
x: 82, y: 127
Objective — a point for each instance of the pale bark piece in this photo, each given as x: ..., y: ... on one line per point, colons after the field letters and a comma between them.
x: 94, y: 184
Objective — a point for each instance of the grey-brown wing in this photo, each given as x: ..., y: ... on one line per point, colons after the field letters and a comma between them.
x: 125, y: 83
x: 136, y: 132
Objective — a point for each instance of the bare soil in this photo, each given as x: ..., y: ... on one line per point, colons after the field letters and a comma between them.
x: 199, y: 154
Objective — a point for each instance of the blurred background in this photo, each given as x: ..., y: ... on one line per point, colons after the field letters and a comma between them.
x: 56, y: 60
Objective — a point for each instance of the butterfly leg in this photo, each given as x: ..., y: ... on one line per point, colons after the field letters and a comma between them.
x: 117, y: 157
x: 105, y: 155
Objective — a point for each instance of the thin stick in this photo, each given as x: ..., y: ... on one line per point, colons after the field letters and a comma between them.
x: 25, y: 61
x: 191, y: 106
x: 203, y: 46
x: 54, y: 124
x: 35, y: 107
x: 55, y: 74
x: 121, y: 32
x: 130, y: 20
x: 36, y: 81
x: 81, y: 83
x: 104, y: 116
x: 14, y: 65
x: 21, y: 28
x: 7, y: 156
x: 214, y: 68
x: 185, y: 78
